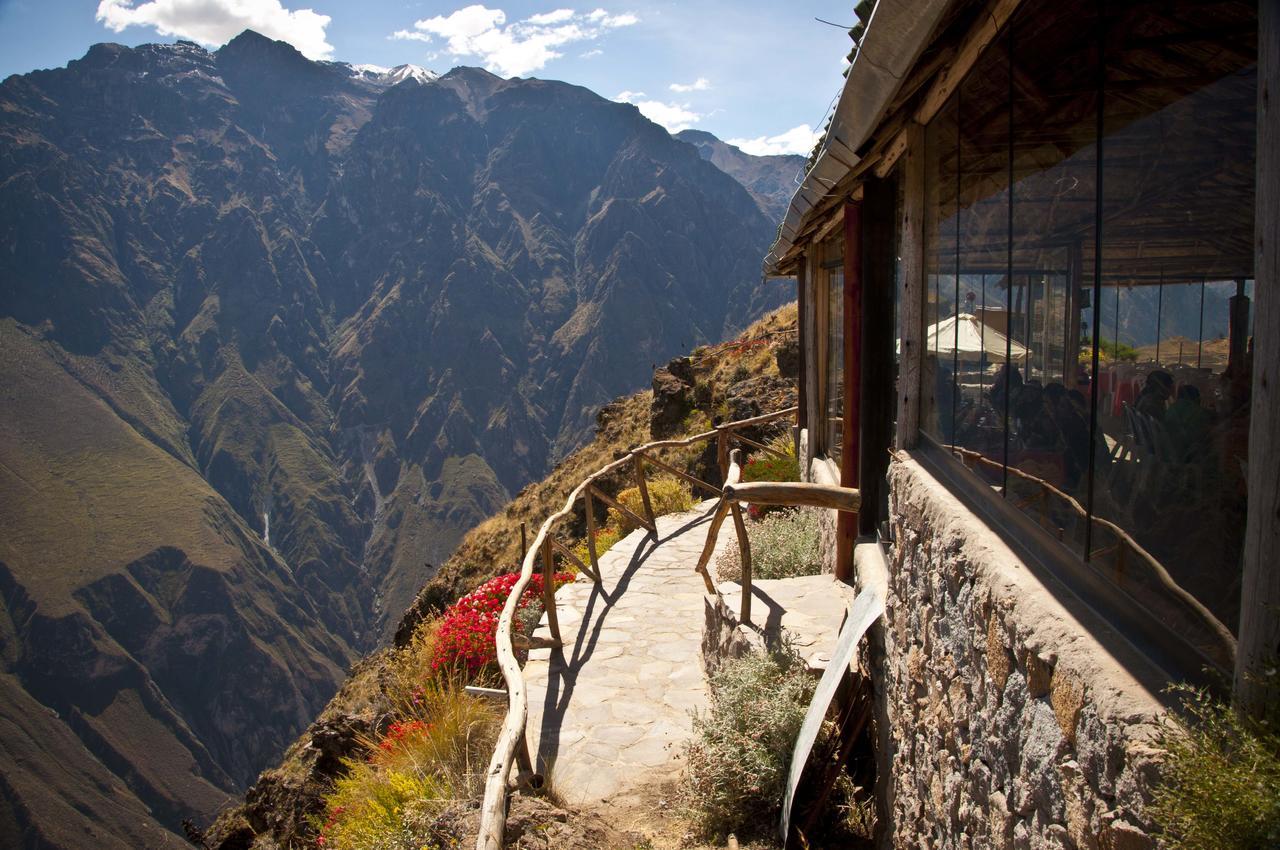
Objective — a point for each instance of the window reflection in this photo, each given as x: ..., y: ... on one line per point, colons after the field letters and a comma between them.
x: 1061, y: 270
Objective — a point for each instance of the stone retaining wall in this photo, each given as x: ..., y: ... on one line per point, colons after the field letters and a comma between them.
x: 1009, y: 723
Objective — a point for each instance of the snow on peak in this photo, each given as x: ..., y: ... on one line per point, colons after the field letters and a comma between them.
x: 391, y: 76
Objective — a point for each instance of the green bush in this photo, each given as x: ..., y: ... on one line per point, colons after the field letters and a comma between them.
x: 783, y: 545
x: 667, y: 495
x: 738, y: 758
x: 1220, y: 781
x: 764, y: 466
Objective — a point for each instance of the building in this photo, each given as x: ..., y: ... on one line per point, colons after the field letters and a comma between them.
x: 1069, y: 510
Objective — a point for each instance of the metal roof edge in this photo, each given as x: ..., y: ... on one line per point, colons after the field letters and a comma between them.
x: 896, y: 34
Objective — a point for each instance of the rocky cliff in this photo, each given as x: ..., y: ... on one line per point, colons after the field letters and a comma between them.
x: 273, y: 334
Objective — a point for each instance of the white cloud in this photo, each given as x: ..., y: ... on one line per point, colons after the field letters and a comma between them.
x: 674, y: 116
x: 517, y: 48
x: 796, y: 140
x: 215, y: 22
x: 559, y: 16
x: 700, y: 84
x: 592, y: 53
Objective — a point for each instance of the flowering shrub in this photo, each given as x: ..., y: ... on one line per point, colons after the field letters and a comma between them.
x: 464, y: 639
x: 763, y: 466
x: 394, y: 797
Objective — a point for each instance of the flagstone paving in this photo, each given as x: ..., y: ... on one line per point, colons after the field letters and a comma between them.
x: 609, y: 709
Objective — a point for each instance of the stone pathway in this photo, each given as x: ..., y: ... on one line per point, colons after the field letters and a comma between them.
x: 609, y: 710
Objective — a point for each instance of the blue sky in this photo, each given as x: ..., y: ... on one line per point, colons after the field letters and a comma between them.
x: 759, y: 73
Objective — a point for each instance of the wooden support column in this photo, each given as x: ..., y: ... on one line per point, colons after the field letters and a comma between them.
x: 804, y: 330
x: 850, y: 445
x: 549, y: 590
x: 1256, y: 691
x: 911, y: 310
x: 877, y: 405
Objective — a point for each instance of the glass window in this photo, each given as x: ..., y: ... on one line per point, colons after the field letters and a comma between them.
x: 937, y: 390
x: 1088, y: 295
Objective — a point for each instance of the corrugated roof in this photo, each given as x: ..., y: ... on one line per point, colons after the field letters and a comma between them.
x: 897, y: 32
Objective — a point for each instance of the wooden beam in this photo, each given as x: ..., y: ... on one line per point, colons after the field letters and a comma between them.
x: 622, y: 509
x: 573, y: 559
x: 911, y: 310
x: 549, y: 591
x: 681, y: 474
x: 851, y: 426
x: 878, y: 403
x: 709, y: 548
x: 643, y: 487
x: 1257, y: 687
x: 893, y: 153
x: 982, y: 33
x: 591, y: 531
x: 804, y: 328
x: 794, y: 494
x: 761, y: 446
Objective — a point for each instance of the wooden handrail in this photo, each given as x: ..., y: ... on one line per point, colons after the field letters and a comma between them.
x: 512, y: 744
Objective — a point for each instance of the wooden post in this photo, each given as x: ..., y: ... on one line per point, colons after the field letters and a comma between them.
x: 877, y: 405
x: 744, y: 554
x: 1257, y: 687
x: 803, y: 329
x: 549, y: 590
x: 713, y: 530
x: 637, y: 461
x: 911, y: 310
x: 722, y: 453
x: 591, y: 532
x: 524, y: 541
x: 850, y: 446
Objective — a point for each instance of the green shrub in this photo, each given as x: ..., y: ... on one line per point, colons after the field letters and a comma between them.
x: 667, y: 495
x: 763, y: 466
x: 606, y: 536
x: 1114, y: 349
x: 783, y: 545
x: 1220, y: 782
x: 737, y: 760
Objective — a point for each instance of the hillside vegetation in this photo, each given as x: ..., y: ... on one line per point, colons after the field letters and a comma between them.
x: 733, y: 380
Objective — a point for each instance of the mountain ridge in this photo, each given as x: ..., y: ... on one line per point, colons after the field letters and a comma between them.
x: 246, y: 291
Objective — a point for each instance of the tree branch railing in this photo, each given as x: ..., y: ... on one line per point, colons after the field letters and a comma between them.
x: 772, y: 493
x: 512, y: 745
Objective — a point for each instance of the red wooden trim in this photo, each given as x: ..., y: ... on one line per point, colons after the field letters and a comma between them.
x: 802, y: 332
x: 847, y: 524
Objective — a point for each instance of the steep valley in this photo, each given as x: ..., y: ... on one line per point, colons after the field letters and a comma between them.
x: 274, y: 334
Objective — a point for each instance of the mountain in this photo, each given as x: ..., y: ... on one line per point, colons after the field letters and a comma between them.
x: 753, y: 374
x: 379, y: 75
x: 273, y: 336
x: 771, y: 180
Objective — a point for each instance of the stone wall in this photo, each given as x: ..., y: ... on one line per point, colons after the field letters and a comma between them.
x: 1009, y: 723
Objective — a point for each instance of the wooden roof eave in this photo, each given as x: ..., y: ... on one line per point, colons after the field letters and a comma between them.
x: 896, y: 35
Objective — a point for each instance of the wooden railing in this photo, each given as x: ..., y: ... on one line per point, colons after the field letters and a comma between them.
x: 512, y: 745
x: 772, y: 493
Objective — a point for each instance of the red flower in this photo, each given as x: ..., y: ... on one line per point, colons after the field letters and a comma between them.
x: 465, y: 640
